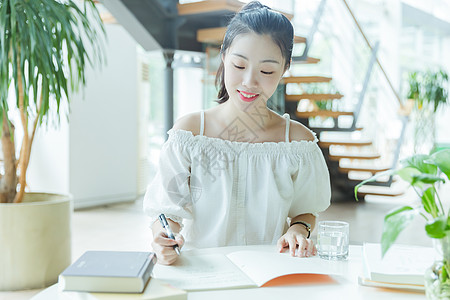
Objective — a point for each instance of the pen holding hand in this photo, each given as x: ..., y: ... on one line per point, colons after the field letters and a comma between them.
x: 165, y: 225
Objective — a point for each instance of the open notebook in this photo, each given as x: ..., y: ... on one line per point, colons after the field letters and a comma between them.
x: 241, y: 269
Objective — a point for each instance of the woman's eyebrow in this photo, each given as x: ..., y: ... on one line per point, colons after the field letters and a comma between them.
x: 262, y: 61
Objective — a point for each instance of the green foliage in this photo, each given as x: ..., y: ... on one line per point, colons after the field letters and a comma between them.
x: 422, y: 172
x: 407, y: 173
x: 437, y: 228
x: 324, y: 104
x: 45, y: 49
x: 442, y: 160
x: 320, y: 88
x: 420, y: 163
x: 428, y: 87
x: 373, y: 178
x: 394, y: 223
x: 429, y: 202
x: 45, y: 43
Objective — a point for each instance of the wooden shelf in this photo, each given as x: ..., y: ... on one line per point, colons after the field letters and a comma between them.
x: 309, y: 60
x: 334, y: 129
x: 214, y: 6
x: 215, y: 36
x: 356, y: 177
x: 305, y: 79
x: 108, y: 18
x: 299, y: 39
x: 322, y: 113
x: 372, y: 170
x: 202, y: 7
x: 354, y: 156
x: 211, y: 35
x: 316, y: 97
x: 379, y: 191
x: 350, y: 143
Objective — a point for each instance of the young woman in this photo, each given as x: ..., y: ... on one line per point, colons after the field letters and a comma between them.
x: 238, y: 173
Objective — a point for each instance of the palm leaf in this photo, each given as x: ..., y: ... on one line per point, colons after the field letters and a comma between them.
x: 50, y: 50
x: 44, y: 52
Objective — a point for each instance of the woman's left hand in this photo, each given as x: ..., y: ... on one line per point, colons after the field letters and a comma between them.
x: 294, y: 238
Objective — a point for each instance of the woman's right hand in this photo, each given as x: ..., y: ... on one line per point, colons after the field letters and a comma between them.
x: 163, y: 247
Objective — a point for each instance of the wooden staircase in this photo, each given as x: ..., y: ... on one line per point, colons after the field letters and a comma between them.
x: 353, y: 156
x: 200, y: 26
x: 215, y: 36
x: 343, y: 152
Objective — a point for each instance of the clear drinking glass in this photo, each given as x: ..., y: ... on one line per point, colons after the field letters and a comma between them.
x: 332, y: 240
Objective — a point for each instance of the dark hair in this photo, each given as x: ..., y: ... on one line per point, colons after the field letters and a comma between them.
x: 260, y: 19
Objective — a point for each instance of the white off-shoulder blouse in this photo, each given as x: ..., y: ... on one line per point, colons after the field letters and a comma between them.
x: 236, y: 193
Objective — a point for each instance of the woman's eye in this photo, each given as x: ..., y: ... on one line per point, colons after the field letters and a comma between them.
x: 267, y: 73
x: 239, y: 67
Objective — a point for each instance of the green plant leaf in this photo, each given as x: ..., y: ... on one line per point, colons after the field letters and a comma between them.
x: 414, y: 90
x: 428, y: 88
x: 442, y: 160
x: 45, y: 50
x: 426, y: 178
x: 444, y: 274
x: 408, y: 173
x: 429, y: 203
x: 373, y: 178
x: 418, y: 161
x: 394, y: 223
x: 436, y: 228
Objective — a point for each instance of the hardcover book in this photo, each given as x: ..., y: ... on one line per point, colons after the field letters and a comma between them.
x: 109, y: 271
x: 155, y: 290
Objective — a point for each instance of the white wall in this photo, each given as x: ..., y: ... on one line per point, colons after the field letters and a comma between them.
x: 189, y: 94
x: 94, y: 157
x: 49, y: 160
x: 442, y: 123
x: 103, y: 135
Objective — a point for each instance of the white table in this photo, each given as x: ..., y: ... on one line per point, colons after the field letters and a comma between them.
x: 345, y: 287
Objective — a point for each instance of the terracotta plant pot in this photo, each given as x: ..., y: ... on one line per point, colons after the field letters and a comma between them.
x: 35, y: 241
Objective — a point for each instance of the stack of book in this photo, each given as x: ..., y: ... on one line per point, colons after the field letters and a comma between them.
x: 403, y: 267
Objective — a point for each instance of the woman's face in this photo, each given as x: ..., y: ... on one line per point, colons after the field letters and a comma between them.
x: 253, y: 67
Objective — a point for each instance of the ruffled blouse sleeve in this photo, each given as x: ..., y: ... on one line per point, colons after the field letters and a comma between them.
x: 169, y: 191
x: 312, y: 190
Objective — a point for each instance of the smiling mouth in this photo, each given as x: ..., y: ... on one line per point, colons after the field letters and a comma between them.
x: 247, y: 97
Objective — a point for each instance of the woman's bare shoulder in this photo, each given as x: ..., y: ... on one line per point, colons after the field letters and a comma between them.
x: 189, y: 122
x: 299, y: 132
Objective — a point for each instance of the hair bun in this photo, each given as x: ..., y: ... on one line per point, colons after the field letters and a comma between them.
x: 253, y: 5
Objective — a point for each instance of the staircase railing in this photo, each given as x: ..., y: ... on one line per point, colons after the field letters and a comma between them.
x: 373, y: 59
x: 312, y: 32
x: 369, y: 45
x: 362, y: 94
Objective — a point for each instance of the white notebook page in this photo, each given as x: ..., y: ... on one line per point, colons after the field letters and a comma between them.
x: 203, y: 272
x: 264, y: 266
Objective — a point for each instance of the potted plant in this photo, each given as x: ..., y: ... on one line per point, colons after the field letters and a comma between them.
x: 44, y: 48
x: 428, y: 88
x: 428, y: 92
x: 423, y: 173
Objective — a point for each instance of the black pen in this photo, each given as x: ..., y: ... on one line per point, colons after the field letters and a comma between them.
x: 162, y: 219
